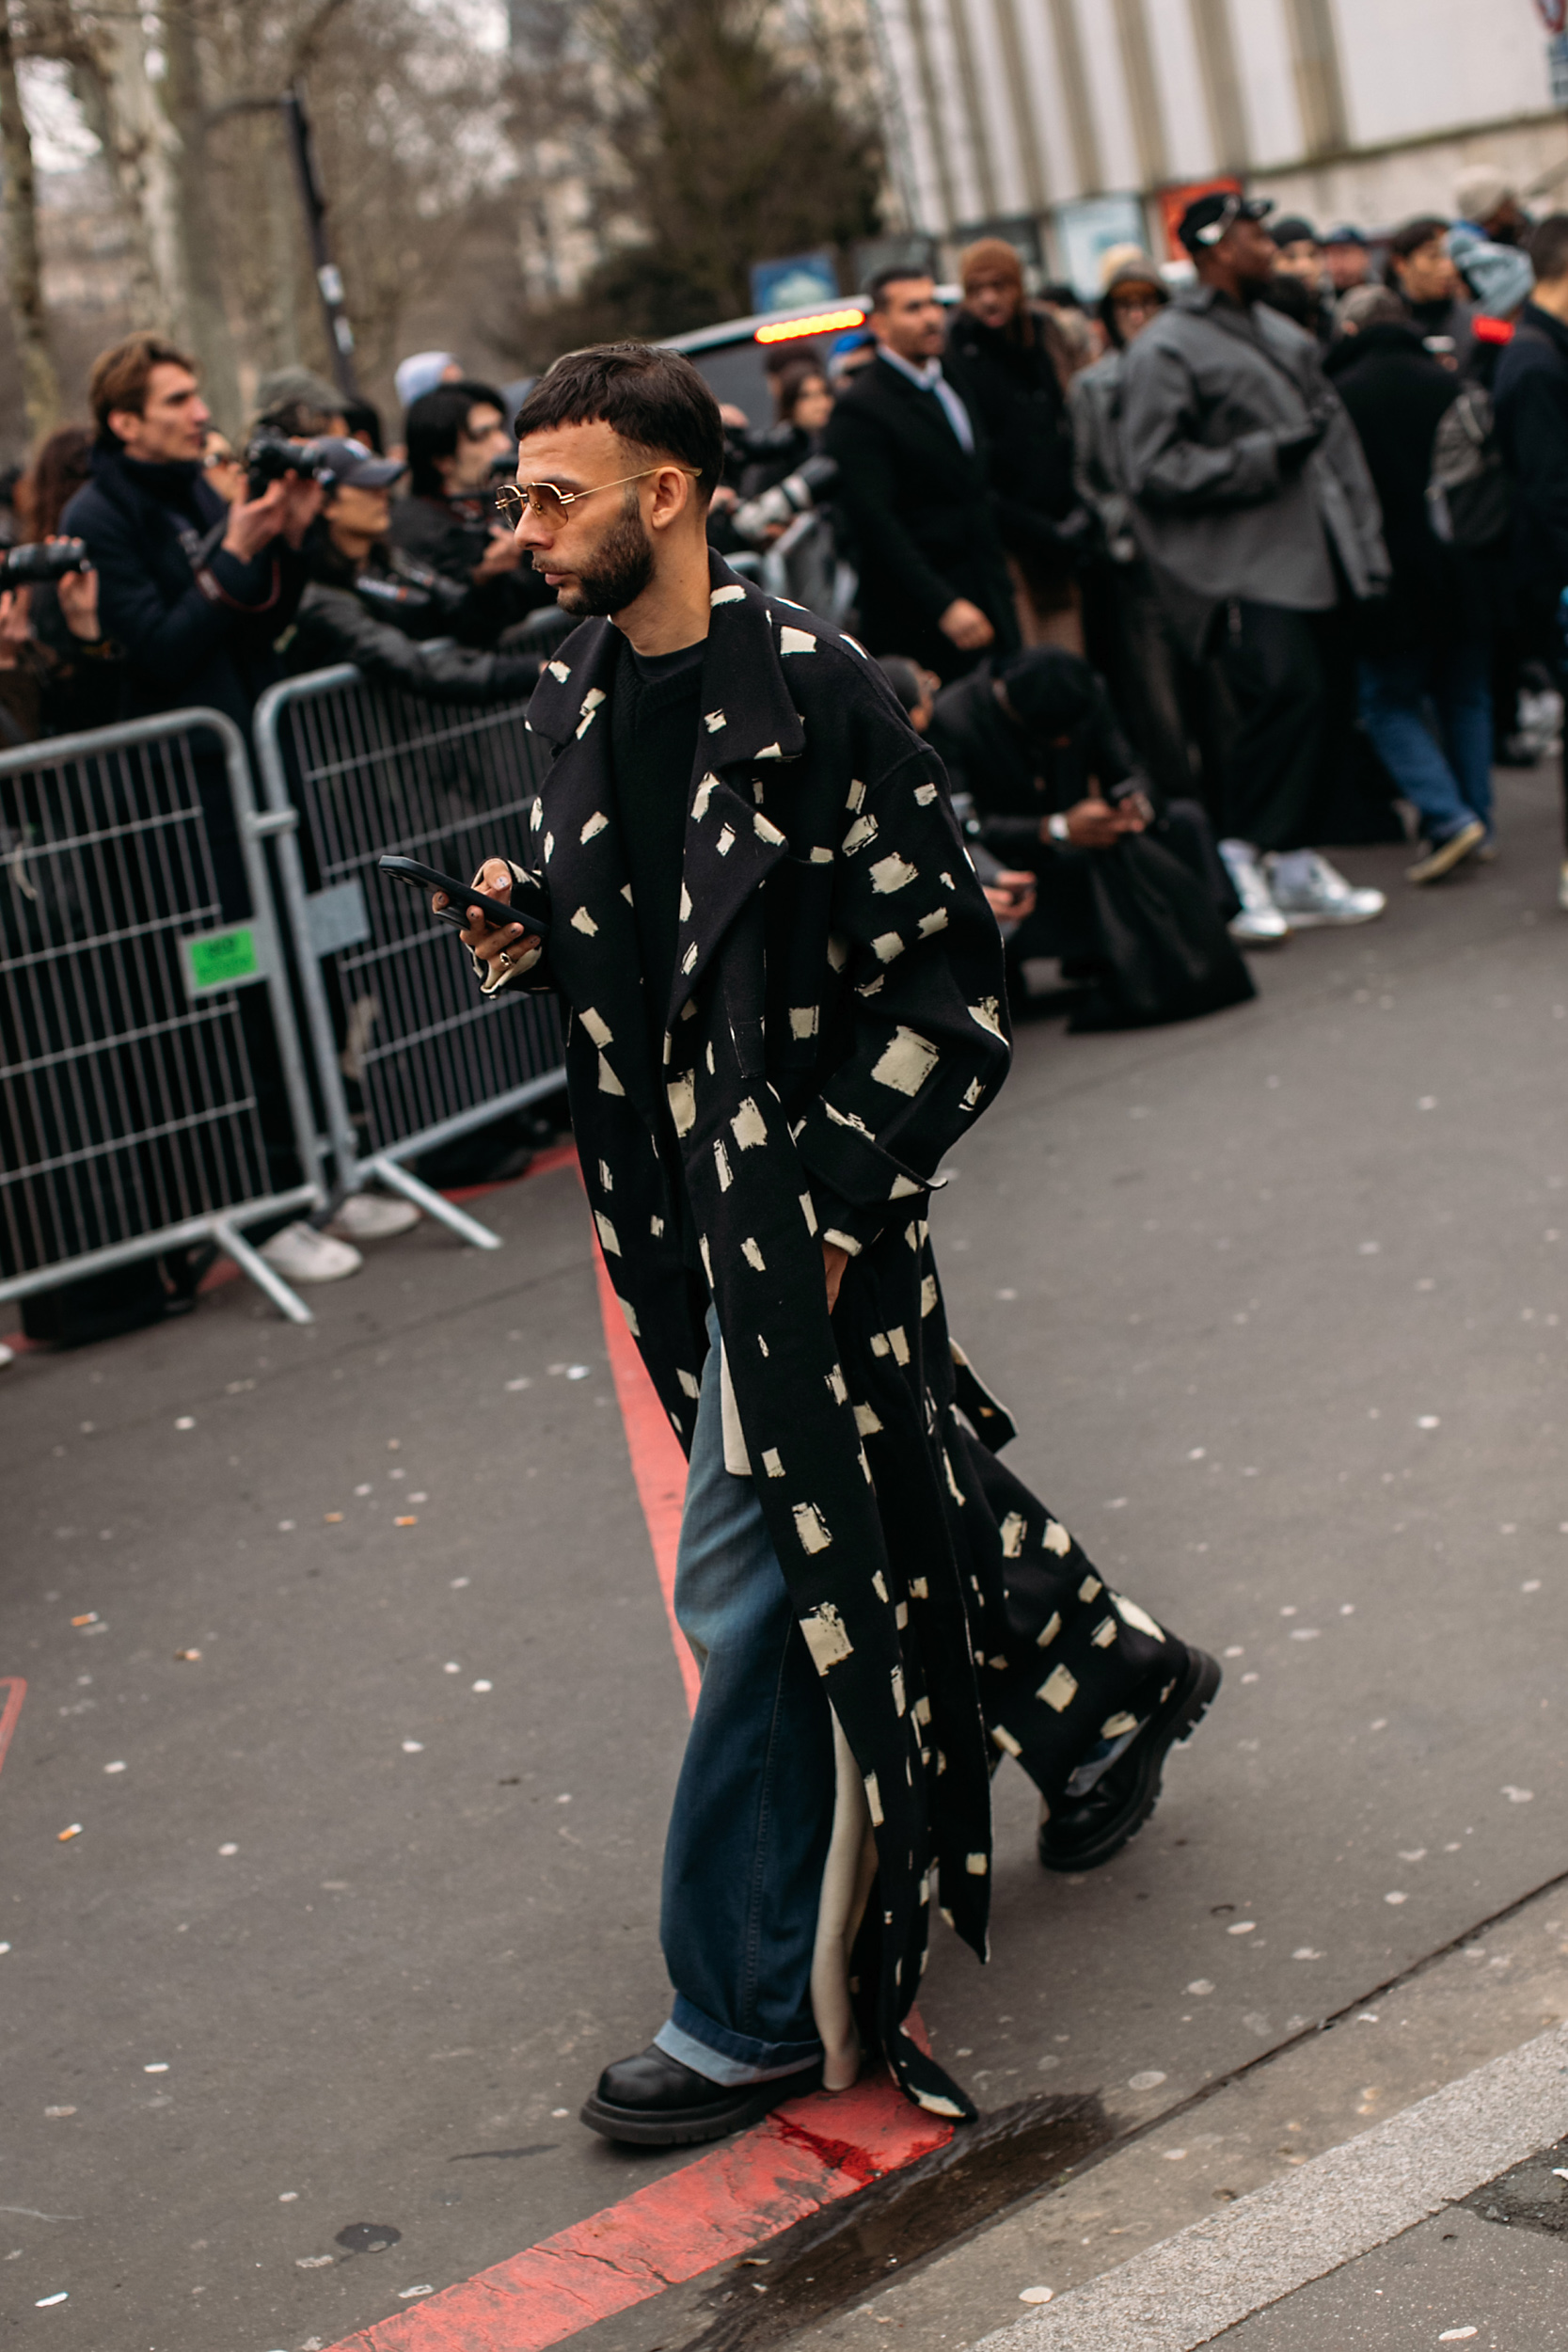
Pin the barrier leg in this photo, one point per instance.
(266, 1278)
(456, 1220)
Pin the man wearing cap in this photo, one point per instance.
(1254, 508)
(915, 486)
(300, 403)
(1345, 258)
(1300, 260)
(370, 604)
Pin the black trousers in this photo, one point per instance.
(1270, 659)
(1064, 922)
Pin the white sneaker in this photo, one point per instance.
(1562, 888)
(372, 1217)
(301, 1254)
(8, 1355)
(1259, 923)
(1310, 893)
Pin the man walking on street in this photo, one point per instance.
(915, 486)
(1254, 507)
(785, 990)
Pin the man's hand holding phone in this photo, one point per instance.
(499, 947)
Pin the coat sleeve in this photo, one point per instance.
(1164, 463)
(335, 627)
(171, 641)
(1534, 416)
(867, 490)
(921, 996)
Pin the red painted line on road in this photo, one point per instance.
(807, 2155)
(16, 1691)
(657, 1464)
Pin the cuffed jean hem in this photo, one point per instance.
(729, 2058)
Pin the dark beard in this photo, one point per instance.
(623, 567)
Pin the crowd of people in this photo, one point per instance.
(1263, 552)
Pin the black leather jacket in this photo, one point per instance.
(381, 615)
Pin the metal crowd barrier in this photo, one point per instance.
(152, 1089)
(408, 1055)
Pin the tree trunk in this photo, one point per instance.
(40, 384)
(205, 322)
(141, 154)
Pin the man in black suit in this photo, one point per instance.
(912, 485)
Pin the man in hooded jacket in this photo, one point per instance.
(785, 993)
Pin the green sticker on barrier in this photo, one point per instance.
(222, 958)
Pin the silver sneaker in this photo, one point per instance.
(1259, 923)
(1324, 898)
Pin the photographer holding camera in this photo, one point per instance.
(194, 591)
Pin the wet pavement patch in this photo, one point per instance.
(1534, 2196)
(818, 2265)
(368, 2237)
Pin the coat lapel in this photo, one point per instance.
(594, 947)
(748, 725)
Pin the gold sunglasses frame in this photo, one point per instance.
(521, 493)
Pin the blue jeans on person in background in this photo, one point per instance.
(1449, 778)
(753, 1810)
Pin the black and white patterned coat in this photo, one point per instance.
(836, 1024)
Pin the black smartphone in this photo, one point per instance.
(462, 896)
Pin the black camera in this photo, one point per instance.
(19, 565)
(271, 455)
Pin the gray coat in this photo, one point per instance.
(1094, 403)
(1207, 390)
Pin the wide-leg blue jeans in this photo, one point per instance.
(754, 1808)
(1449, 775)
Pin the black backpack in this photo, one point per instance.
(1469, 497)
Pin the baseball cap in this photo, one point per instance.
(351, 461)
(421, 373)
(1207, 218)
(1346, 233)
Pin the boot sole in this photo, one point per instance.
(1186, 1710)
(1447, 855)
(687, 2127)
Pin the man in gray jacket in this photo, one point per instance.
(1256, 513)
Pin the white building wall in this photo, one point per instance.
(1414, 66)
(1113, 115)
(1429, 85)
(1181, 81)
(1268, 79)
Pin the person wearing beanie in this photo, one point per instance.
(301, 404)
(1256, 513)
(1006, 360)
(1299, 268)
(423, 371)
(1497, 279)
(1487, 202)
(1125, 628)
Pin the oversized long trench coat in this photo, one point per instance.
(836, 1024)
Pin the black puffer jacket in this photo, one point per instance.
(1013, 388)
(375, 617)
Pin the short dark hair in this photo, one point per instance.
(1423, 229)
(896, 274)
(433, 423)
(905, 678)
(1548, 246)
(655, 400)
(121, 376)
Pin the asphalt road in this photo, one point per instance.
(1276, 1300)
